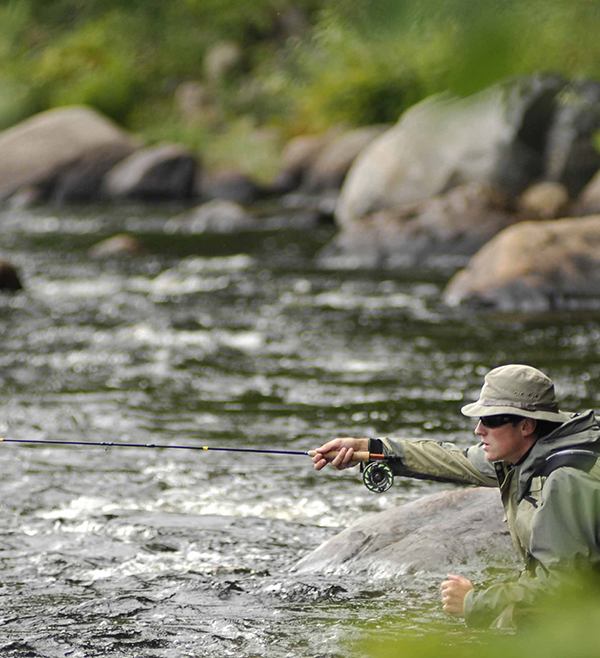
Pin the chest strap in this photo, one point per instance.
(584, 460)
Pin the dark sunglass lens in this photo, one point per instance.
(494, 421)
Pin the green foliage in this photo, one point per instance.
(94, 66)
(567, 625)
(17, 102)
(341, 61)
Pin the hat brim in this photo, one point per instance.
(477, 410)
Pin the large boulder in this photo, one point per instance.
(165, 171)
(34, 152)
(458, 530)
(534, 266)
(442, 231)
(497, 136)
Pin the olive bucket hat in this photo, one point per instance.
(519, 390)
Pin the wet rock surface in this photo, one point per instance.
(459, 529)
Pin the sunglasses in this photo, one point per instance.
(492, 422)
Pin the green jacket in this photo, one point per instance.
(554, 521)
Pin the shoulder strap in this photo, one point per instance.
(584, 460)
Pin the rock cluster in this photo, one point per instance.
(479, 178)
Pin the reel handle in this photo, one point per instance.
(360, 456)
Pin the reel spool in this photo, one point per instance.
(378, 477)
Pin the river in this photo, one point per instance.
(233, 340)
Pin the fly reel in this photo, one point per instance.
(378, 477)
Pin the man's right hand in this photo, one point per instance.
(345, 448)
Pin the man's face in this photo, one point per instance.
(508, 442)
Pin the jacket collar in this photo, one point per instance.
(581, 431)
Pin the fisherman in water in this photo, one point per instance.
(545, 463)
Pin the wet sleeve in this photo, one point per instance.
(442, 462)
(564, 535)
(483, 608)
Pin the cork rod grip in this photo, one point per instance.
(360, 456)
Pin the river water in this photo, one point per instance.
(236, 340)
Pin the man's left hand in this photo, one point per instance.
(454, 591)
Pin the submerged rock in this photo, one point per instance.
(460, 530)
(216, 216)
(36, 151)
(534, 266)
(9, 278)
(117, 247)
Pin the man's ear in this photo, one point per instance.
(528, 427)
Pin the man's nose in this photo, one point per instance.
(479, 429)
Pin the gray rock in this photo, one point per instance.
(28, 196)
(332, 163)
(571, 155)
(166, 171)
(458, 530)
(229, 185)
(496, 136)
(443, 230)
(298, 156)
(534, 266)
(83, 180)
(217, 216)
(34, 152)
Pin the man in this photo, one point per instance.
(545, 463)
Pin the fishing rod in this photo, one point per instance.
(377, 475)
